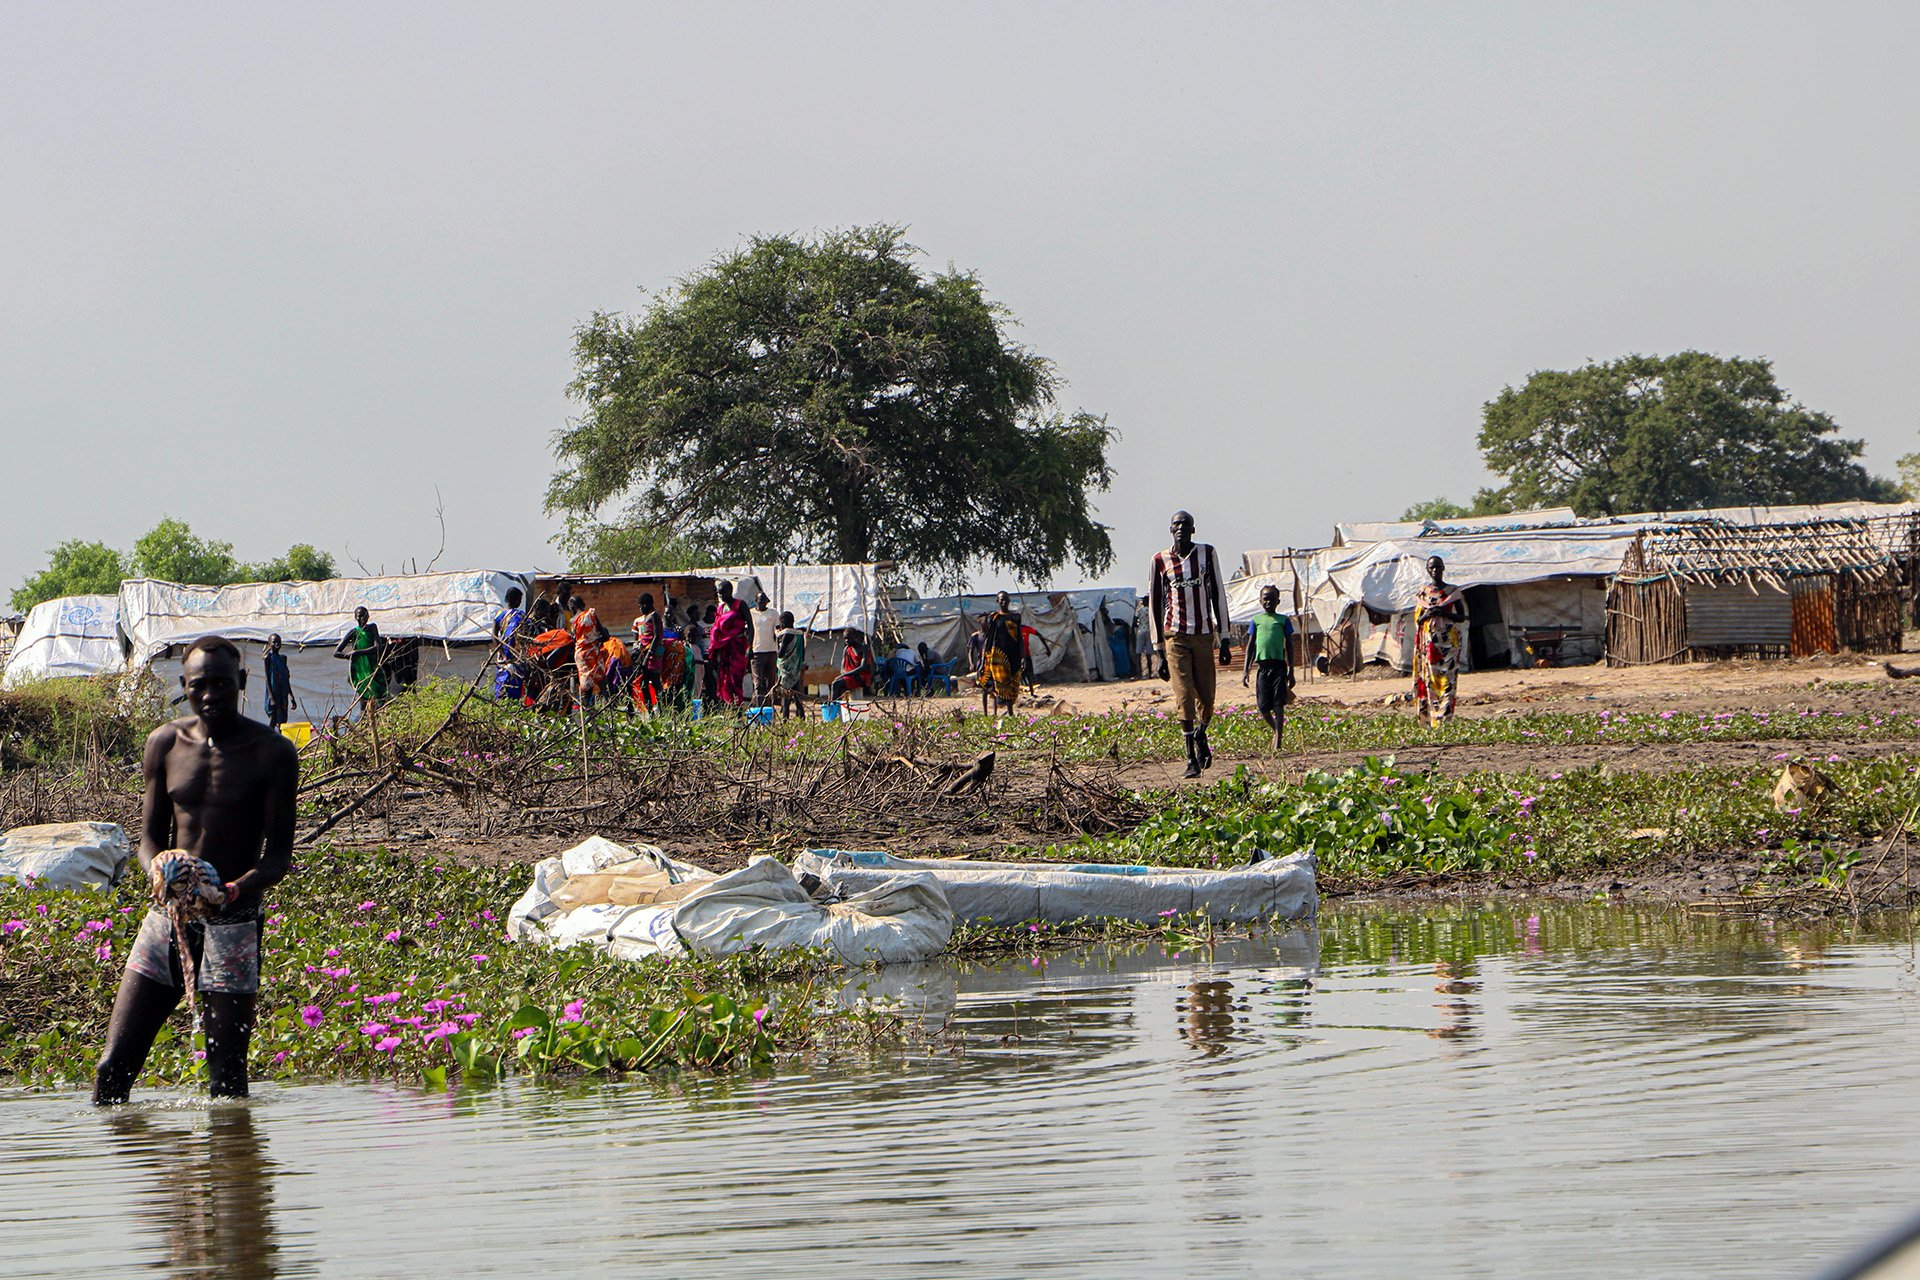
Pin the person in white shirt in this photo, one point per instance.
(766, 651)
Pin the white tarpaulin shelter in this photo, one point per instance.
(1105, 618)
(1243, 599)
(1549, 578)
(1006, 893)
(65, 855)
(635, 903)
(945, 624)
(451, 615)
(71, 636)
(1386, 576)
(821, 597)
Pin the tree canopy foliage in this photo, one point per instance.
(1908, 465)
(170, 551)
(625, 548)
(74, 568)
(827, 399)
(1666, 433)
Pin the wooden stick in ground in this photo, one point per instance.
(580, 705)
(974, 778)
(342, 814)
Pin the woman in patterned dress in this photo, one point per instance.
(1439, 640)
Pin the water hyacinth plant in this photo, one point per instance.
(377, 966)
(1367, 820)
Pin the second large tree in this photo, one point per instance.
(825, 398)
(1666, 433)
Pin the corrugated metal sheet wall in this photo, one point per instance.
(1813, 627)
(1739, 616)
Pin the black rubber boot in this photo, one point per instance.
(1193, 757)
(1202, 752)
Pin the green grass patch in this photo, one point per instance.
(1372, 823)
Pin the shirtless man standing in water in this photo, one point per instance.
(219, 787)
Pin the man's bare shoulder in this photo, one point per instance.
(280, 749)
(272, 745)
(164, 737)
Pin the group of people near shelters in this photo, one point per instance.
(560, 653)
(374, 665)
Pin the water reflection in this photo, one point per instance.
(1453, 980)
(1448, 1090)
(208, 1193)
(1207, 1012)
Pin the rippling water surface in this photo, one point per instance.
(1487, 1091)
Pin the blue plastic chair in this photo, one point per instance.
(941, 673)
(898, 677)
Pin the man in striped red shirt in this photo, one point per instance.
(1188, 598)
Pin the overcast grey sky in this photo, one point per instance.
(281, 270)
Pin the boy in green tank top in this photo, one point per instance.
(1268, 649)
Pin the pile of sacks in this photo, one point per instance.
(65, 855)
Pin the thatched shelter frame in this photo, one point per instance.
(1816, 586)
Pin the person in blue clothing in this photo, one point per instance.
(510, 681)
(279, 685)
(1269, 638)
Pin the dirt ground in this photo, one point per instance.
(1830, 683)
(1844, 682)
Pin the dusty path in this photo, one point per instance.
(1845, 682)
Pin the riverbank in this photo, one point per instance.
(1659, 781)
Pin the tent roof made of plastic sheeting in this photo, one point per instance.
(1386, 576)
(71, 636)
(1348, 533)
(1120, 602)
(1243, 598)
(452, 608)
(821, 597)
(946, 623)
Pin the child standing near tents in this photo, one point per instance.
(792, 644)
(1269, 646)
(366, 654)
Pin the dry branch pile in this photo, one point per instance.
(707, 792)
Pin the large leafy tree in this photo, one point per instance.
(302, 563)
(1667, 433)
(827, 399)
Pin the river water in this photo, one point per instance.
(1499, 1090)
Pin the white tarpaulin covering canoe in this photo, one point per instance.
(71, 636)
(65, 855)
(1012, 893)
(639, 902)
